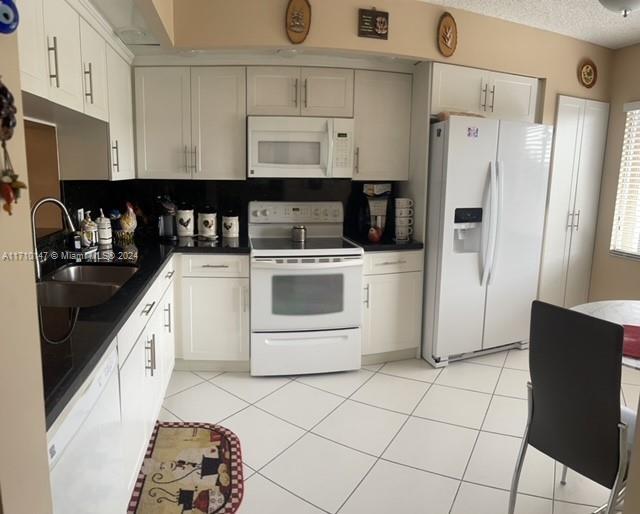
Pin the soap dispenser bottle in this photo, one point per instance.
(89, 231)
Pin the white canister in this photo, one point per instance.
(105, 235)
(230, 226)
(184, 222)
(207, 224)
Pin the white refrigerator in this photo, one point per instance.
(487, 196)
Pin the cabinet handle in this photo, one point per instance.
(150, 365)
(195, 158)
(295, 92)
(390, 263)
(168, 311)
(368, 295)
(148, 308)
(578, 221)
(306, 93)
(493, 97)
(357, 163)
(215, 266)
(116, 160)
(169, 274)
(186, 161)
(88, 73)
(570, 216)
(483, 91)
(54, 49)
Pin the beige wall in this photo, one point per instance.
(165, 11)
(616, 277)
(483, 42)
(24, 471)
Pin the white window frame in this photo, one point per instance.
(625, 232)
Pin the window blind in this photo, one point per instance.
(625, 236)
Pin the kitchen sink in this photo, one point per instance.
(93, 274)
(73, 294)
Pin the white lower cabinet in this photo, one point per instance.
(392, 302)
(215, 318)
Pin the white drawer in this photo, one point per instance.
(377, 263)
(130, 331)
(215, 265)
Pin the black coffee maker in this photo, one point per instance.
(370, 206)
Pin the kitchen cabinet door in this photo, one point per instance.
(168, 336)
(163, 122)
(382, 115)
(392, 312)
(94, 69)
(218, 111)
(273, 90)
(458, 89)
(326, 92)
(215, 319)
(34, 73)
(62, 30)
(134, 410)
(512, 97)
(587, 195)
(120, 117)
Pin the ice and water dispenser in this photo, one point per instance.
(467, 230)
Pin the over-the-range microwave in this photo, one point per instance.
(299, 147)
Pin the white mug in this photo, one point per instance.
(404, 203)
(230, 226)
(404, 213)
(403, 233)
(184, 223)
(404, 222)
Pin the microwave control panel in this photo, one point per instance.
(342, 147)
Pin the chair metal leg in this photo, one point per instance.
(617, 491)
(523, 451)
(563, 480)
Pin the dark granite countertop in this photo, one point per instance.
(388, 246)
(67, 365)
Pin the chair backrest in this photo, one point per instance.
(575, 363)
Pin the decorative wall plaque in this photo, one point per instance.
(298, 20)
(587, 73)
(447, 35)
(373, 23)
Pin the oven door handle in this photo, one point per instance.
(312, 266)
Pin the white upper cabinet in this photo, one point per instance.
(62, 31)
(293, 91)
(458, 89)
(218, 122)
(326, 92)
(382, 116)
(120, 117)
(163, 122)
(512, 97)
(492, 94)
(94, 70)
(273, 90)
(34, 72)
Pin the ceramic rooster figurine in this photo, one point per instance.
(128, 221)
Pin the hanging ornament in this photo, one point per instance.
(9, 17)
(10, 186)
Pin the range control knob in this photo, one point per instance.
(256, 214)
(265, 212)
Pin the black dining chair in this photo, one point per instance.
(574, 399)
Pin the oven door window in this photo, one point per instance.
(307, 295)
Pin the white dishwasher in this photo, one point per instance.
(85, 459)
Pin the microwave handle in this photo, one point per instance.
(330, 152)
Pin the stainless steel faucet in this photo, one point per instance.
(34, 209)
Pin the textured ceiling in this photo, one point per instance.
(583, 19)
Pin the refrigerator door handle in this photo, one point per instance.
(498, 219)
(487, 260)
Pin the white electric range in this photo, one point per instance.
(306, 298)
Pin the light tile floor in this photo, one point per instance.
(400, 438)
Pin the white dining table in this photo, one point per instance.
(623, 312)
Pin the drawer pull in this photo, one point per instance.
(148, 308)
(151, 364)
(168, 312)
(391, 263)
(169, 275)
(216, 266)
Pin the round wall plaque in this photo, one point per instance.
(447, 35)
(298, 20)
(587, 73)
